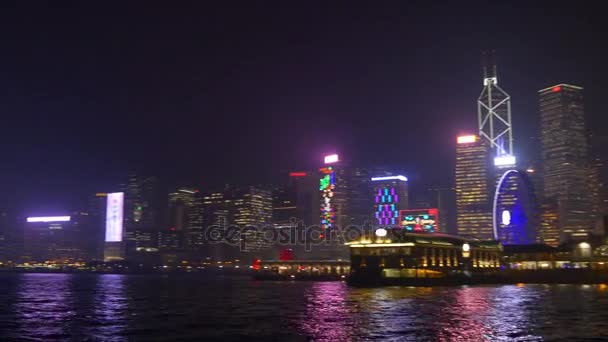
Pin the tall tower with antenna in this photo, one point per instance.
(494, 114)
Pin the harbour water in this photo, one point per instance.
(110, 307)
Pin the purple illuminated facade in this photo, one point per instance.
(390, 196)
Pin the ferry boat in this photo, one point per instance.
(397, 257)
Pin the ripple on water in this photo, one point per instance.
(128, 307)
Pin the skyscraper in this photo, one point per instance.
(565, 157)
(216, 216)
(251, 208)
(473, 194)
(195, 229)
(336, 207)
(179, 202)
(549, 223)
(54, 238)
(186, 216)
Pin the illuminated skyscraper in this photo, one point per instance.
(345, 194)
(179, 201)
(390, 195)
(216, 216)
(335, 189)
(186, 216)
(94, 235)
(251, 208)
(549, 223)
(473, 188)
(297, 199)
(54, 238)
(565, 157)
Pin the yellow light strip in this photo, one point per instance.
(404, 244)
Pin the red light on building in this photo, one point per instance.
(286, 255)
(297, 174)
(256, 264)
(556, 89)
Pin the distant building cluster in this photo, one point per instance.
(554, 199)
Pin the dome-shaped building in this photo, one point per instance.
(514, 209)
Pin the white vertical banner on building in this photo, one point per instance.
(114, 217)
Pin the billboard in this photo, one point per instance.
(332, 158)
(327, 185)
(420, 220)
(114, 216)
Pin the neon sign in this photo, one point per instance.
(399, 177)
(420, 220)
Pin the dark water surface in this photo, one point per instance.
(92, 307)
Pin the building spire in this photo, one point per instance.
(494, 113)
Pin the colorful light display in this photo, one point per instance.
(420, 220)
(327, 186)
(49, 219)
(114, 217)
(386, 200)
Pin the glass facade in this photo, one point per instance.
(565, 157)
(473, 195)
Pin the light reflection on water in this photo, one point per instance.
(43, 305)
(110, 306)
(123, 307)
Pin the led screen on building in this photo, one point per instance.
(420, 220)
(327, 185)
(114, 217)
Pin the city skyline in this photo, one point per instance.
(97, 136)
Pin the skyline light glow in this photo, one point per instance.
(48, 219)
(398, 177)
(506, 160)
(466, 139)
(332, 158)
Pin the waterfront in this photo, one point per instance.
(193, 307)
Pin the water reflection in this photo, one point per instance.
(44, 306)
(119, 307)
(110, 307)
(411, 314)
(326, 317)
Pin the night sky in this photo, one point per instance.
(209, 94)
